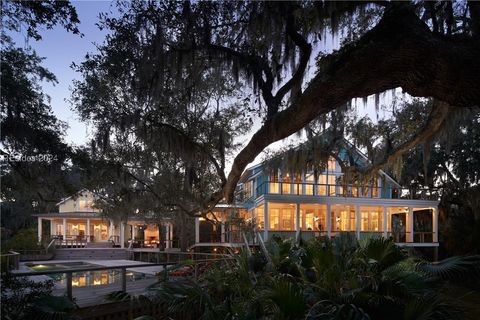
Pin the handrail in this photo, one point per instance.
(49, 245)
(263, 247)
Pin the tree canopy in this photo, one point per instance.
(171, 77)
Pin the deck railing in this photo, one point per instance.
(344, 190)
(398, 237)
(9, 261)
(123, 268)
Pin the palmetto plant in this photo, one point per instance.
(323, 279)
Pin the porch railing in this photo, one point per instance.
(398, 237)
(344, 190)
(9, 261)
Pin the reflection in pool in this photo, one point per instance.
(87, 278)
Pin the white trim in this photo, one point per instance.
(340, 200)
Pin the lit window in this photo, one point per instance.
(85, 205)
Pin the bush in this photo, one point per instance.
(26, 239)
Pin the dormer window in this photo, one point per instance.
(85, 205)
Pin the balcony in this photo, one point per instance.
(344, 190)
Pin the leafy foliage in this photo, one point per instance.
(320, 279)
(28, 299)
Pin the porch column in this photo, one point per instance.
(222, 227)
(167, 233)
(171, 235)
(385, 222)
(39, 229)
(88, 230)
(265, 223)
(329, 221)
(435, 224)
(64, 228)
(111, 226)
(410, 225)
(197, 230)
(297, 222)
(122, 234)
(52, 227)
(134, 231)
(358, 220)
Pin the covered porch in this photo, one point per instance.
(408, 222)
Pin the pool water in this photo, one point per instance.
(87, 278)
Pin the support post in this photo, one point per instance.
(435, 224)
(410, 225)
(69, 286)
(39, 229)
(265, 223)
(122, 234)
(111, 227)
(385, 222)
(297, 222)
(197, 230)
(88, 230)
(167, 236)
(65, 229)
(222, 227)
(329, 221)
(124, 279)
(358, 221)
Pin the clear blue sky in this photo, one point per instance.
(60, 48)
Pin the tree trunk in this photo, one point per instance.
(400, 51)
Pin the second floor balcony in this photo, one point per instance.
(341, 190)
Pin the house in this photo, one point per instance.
(79, 223)
(313, 204)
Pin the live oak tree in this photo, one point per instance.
(28, 126)
(159, 56)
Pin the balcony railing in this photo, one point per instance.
(398, 237)
(343, 190)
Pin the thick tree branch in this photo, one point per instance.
(399, 52)
(305, 52)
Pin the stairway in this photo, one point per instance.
(99, 245)
(91, 254)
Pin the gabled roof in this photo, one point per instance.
(248, 174)
(73, 195)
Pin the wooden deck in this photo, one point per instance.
(95, 295)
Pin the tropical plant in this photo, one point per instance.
(27, 299)
(323, 279)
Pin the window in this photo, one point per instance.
(309, 182)
(274, 186)
(343, 218)
(248, 189)
(259, 217)
(322, 187)
(274, 219)
(372, 218)
(281, 216)
(286, 183)
(85, 205)
(332, 165)
(313, 217)
(331, 185)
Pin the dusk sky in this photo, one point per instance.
(60, 48)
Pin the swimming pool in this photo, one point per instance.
(87, 278)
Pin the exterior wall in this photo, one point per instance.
(74, 204)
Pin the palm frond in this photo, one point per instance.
(454, 268)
